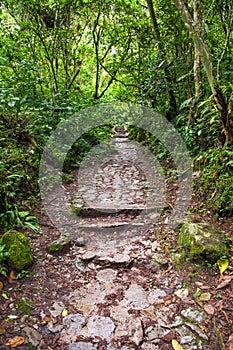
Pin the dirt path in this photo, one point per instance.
(121, 290)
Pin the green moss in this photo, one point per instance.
(55, 247)
(196, 249)
(25, 306)
(201, 241)
(76, 208)
(58, 246)
(18, 248)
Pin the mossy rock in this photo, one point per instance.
(19, 250)
(202, 242)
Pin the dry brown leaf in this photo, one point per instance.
(16, 341)
(203, 328)
(134, 255)
(199, 284)
(227, 277)
(150, 313)
(204, 297)
(2, 331)
(229, 345)
(1, 285)
(209, 309)
(11, 277)
(45, 320)
(205, 287)
(169, 336)
(167, 302)
(224, 283)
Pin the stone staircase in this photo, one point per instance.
(117, 185)
(125, 292)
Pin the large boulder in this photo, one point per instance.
(18, 248)
(202, 241)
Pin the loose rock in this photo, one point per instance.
(136, 297)
(130, 327)
(100, 326)
(34, 337)
(81, 346)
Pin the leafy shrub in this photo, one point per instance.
(18, 180)
(199, 125)
(215, 184)
(84, 144)
(3, 256)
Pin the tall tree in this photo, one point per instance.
(223, 105)
(197, 58)
(169, 86)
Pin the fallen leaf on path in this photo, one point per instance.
(223, 265)
(224, 283)
(11, 277)
(5, 296)
(2, 331)
(134, 255)
(229, 345)
(205, 287)
(202, 327)
(12, 317)
(150, 313)
(64, 313)
(176, 345)
(45, 320)
(204, 297)
(182, 293)
(169, 336)
(16, 341)
(209, 309)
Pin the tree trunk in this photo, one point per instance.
(197, 58)
(96, 37)
(170, 92)
(201, 46)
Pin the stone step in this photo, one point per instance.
(100, 224)
(99, 218)
(101, 210)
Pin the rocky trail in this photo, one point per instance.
(115, 285)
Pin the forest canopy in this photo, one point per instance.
(58, 57)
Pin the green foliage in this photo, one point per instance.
(18, 185)
(202, 129)
(60, 56)
(3, 256)
(84, 144)
(24, 274)
(215, 184)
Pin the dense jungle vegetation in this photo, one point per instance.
(60, 56)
